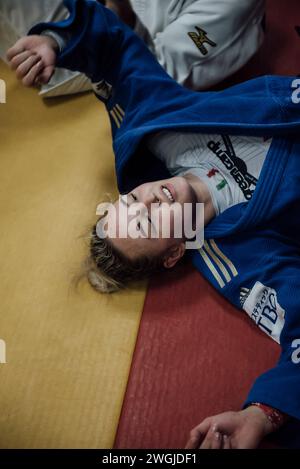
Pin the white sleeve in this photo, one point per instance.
(206, 41)
(61, 41)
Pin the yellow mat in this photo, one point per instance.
(68, 352)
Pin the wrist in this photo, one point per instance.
(272, 418)
(259, 418)
(52, 40)
(275, 416)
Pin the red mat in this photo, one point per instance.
(195, 354)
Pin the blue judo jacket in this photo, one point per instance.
(251, 253)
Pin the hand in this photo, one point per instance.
(241, 430)
(33, 58)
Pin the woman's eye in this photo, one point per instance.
(133, 196)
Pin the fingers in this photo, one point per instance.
(15, 50)
(216, 440)
(210, 437)
(30, 78)
(18, 59)
(45, 76)
(26, 66)
(222, 431)
(226, 442)
(30, 69)
(213, 439)
(194, 440)
(198, 434)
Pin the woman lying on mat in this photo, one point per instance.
(236, 151)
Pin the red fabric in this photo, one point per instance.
(195, 354)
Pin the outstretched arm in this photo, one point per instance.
(99, 44)
(104, 48)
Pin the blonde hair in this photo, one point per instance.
(109, 270)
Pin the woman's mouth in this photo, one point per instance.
(169, 192)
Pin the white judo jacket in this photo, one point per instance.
(200, 42)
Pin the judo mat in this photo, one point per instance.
(196, 355)
(67, 350)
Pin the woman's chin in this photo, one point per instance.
(182, 188)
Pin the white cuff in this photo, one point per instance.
(59, 39)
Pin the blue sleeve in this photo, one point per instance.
(104, 48)
(99, 44)
(280, 386)
(263, 266)
(93, 32)
(279, 309)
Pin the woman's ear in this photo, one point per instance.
(174, 254)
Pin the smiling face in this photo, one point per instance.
(163, 202)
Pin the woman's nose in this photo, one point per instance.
(148, 199)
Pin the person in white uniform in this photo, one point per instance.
(198, 42)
